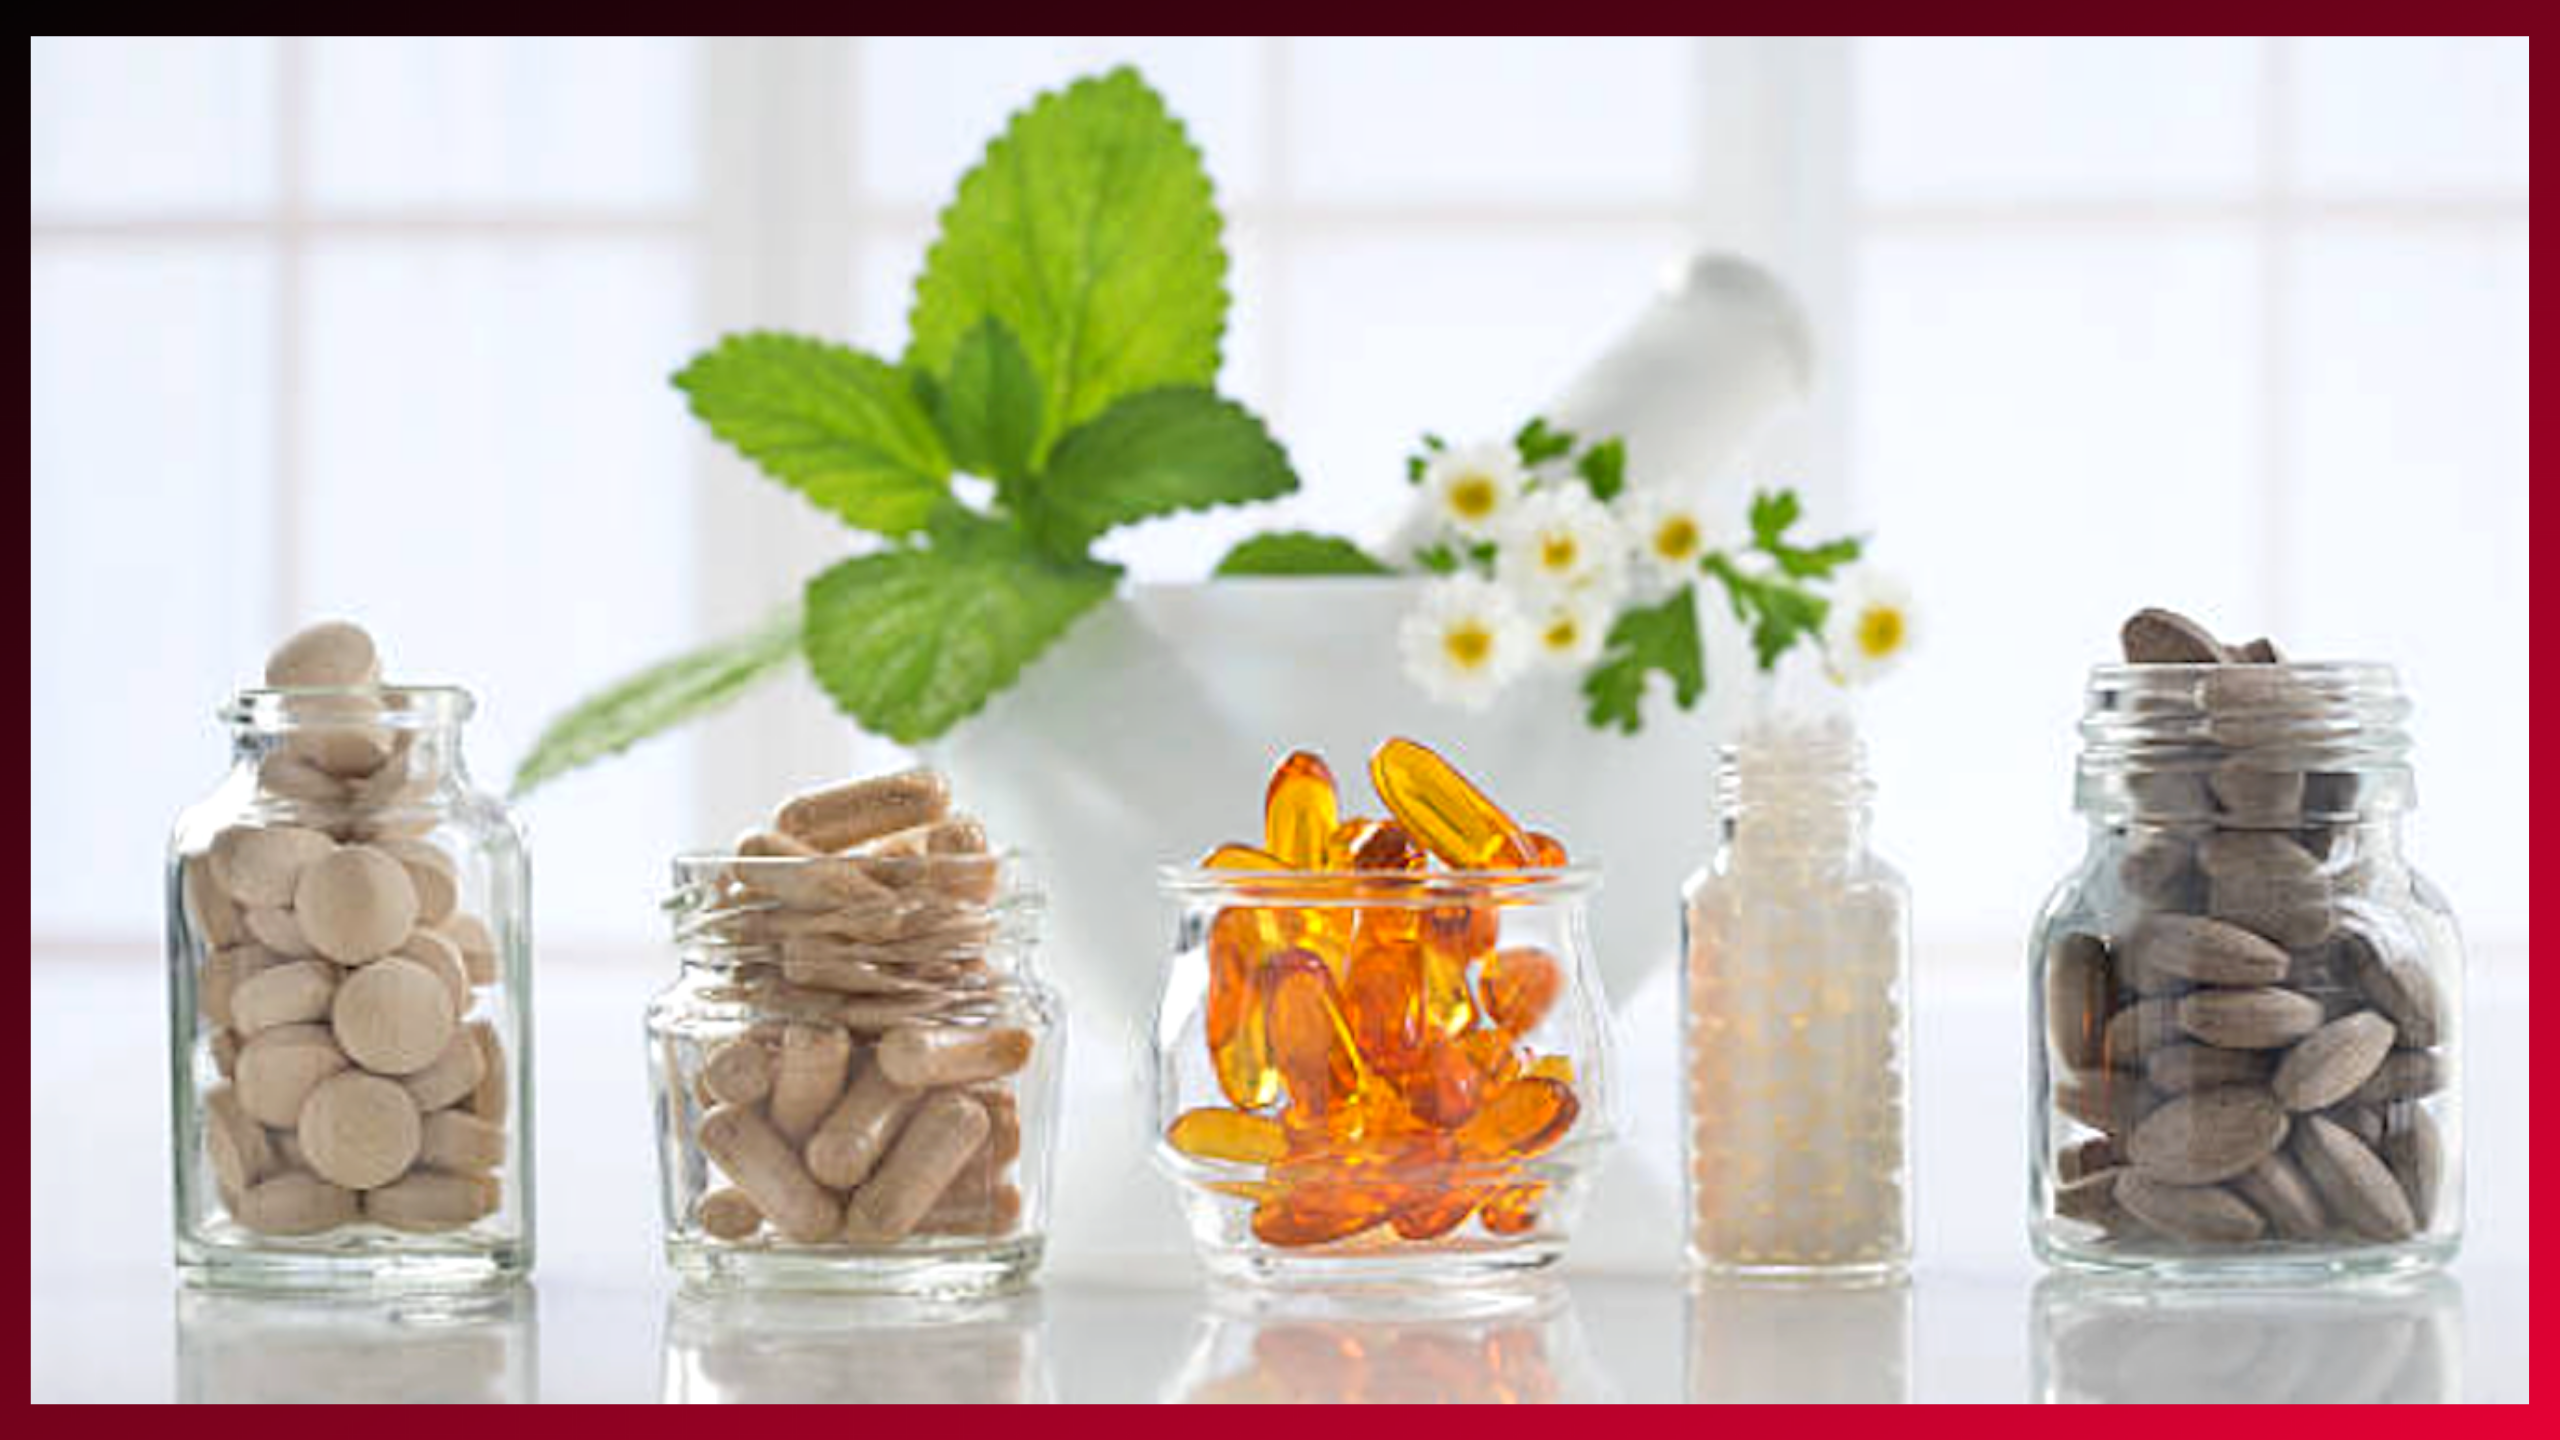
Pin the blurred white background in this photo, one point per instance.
(381, 327)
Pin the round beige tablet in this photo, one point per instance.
(470, 935)
(394, 1017)
(359, 1130)
(355, 903)
(260, 864)
(333, 652)
(431, 874)
(438, 954)
(460, 1143)
(296, 992)
(277, 1070)
(453, 1076)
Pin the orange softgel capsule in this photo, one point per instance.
(1513, 1210)
(1241, 857)
(1521, 1119)
(1444, 810)
(1454, 937)
(1382, 990)
(1237, 1019)
(1233, 1135)
(1520, 986)
(1300, 811)
(1311, 1042)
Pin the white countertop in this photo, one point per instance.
(1123, 1320)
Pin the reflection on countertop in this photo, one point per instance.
(2102, 1339)
(1802, 1343)
(1515, 1346)
(236, 1348)
(749, 1347)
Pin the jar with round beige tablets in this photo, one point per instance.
(348, 988)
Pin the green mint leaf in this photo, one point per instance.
(989, 405)
(1299, 552)
(1151, 454)
(1648, 638)
(1438, 558)
(842, 428)
(1539, 442)
(661, 697)
(1604, 468)
(913, 640)
(1090, 231)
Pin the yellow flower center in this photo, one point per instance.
(1676, 539)
(1469, 646)
(1562, 634)
(1474, 496)
(1558, 552)
(1880, 631)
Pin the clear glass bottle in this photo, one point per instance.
(2245, 998)
(349, 1003)
(855, 1075)
(1796, 1030)
(1380, 1076)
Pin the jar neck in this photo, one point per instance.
(2322, 744)
(907, 923)
(378, 745)
(1794, 788)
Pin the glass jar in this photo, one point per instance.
(349, 1003)
(855, 1075)
(1797, 1033)
(2245, 999)
(1381, 1075)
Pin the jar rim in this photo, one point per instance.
(1376, 889)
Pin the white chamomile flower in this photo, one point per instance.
(1465, 641)
(1870, 626)
(1559, 539)
(1669, 530)
(1471, 489)
(1570, 628)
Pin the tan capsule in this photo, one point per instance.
(277, 930)
(431, 875)
(262, 865)
(355, 903)
(774, 845)
(808, 1076)
(489, 1097)
(451, 1077)
(331, 653)
(848, 1143)
(928, 1055)
(728, 1213)
(760, 1160)
(432, 1200)
(1004, 1119)
(842, 816)
(393, 1017)
(235, 1144)
(936, 1144)
(451, 1140)
(296, 1202)
(968, 1208)
(277, 1070)
(738, 1072)
(209, 908)
(359, 1130)
(225, 1046)
(470, 935)
(811, 882)
(432, 950)
(296, 992)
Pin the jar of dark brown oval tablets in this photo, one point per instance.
(2246, 998)
(855, 1074)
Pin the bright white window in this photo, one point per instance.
(383, 326)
